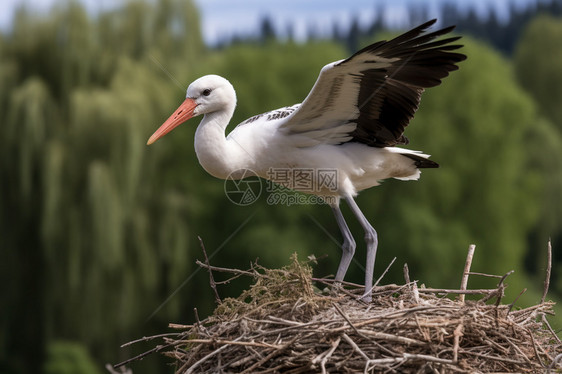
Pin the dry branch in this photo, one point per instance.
(548, 270)
(211, 278)
(465, 274)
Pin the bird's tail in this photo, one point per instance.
(421, 160)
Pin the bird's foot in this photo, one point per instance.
(367, 297)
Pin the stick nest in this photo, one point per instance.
(282, 323)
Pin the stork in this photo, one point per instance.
(350, 122)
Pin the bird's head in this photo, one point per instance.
(207, 94)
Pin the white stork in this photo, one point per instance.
(350, 123)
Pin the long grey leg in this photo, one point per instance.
(372, 242)
(348, 246)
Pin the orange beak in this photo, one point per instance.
(182, 114)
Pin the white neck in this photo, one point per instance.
(218, 155)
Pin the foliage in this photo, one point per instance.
(82, 212)
(504, 35)
(69, 358)
(537, 62)
(537, 65)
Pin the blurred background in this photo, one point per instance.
(98, 232)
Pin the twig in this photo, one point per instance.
(324, 356)
(227, 281)
(548, 270)
(213, 353)
(394, 314)
(286, 321)
(384, 273)
(410, 356)
(514, 301)
(481, 291)
(276, 352)
(198, 321)
(414, 284)
(535, 347)
(243, 360)
(466, 272)
(500, 284)
(456, 341)
(348, 321)
(392, 338)
(554, 362)
(179, 326)
(516, 348)
(158, 348)
(226, 270)
(501, 288)
(229, 342)
(406, 273)
(484, 274)
(498, 291)
(211, 279)
(491, 357)
(148, 338)
(497, 346)
(424, 333)
(545, 321)
(355, 347)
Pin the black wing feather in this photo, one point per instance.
(389, 97)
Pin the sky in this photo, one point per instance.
(223, 18)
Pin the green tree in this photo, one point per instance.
(538, 60)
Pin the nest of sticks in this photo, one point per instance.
(283, 323)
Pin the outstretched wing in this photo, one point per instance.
(372, 96)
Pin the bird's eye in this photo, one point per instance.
(207, 92)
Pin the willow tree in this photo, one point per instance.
(91, 242)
